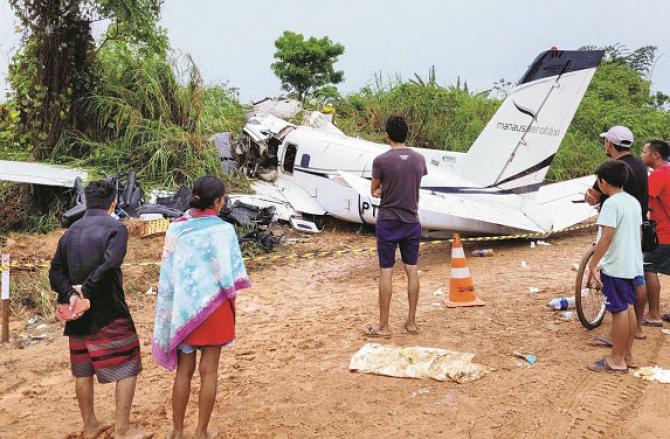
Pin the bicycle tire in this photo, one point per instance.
(588, 320)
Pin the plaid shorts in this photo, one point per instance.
(112, 354)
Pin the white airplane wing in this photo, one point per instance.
(40, 173)
(565, 201)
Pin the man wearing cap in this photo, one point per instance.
(618, 142)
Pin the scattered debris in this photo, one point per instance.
(225, 147)
(524, 264)
(665, 331)
(243, 214)
(150, 292)
(543, 243)
(561, 303)
(530, 359)
(417, 362)
(653, 374)
(438, 292)
(575, 267)
(479, 253)
(302, 225)
(568, 316)
(284, 108)
(420, 391)
(34, 322)
(436, 304)
(532, 244)
(130, 198)
(534, 290)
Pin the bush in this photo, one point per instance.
(451, 118)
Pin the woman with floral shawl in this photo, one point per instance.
(202, 271)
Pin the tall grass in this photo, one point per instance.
(153, 116)
(451, 118)
(32, 292)
(438, 117)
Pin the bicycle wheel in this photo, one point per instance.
(589, 300)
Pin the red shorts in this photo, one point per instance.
(112, 354)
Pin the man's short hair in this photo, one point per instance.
(615, 172)
(661, 147)
(396, 128)
(100, 194)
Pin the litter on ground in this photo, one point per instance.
(656, 374)
(568, 316)
(417, 362)
(530, 359)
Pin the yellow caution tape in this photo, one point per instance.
(323, 254)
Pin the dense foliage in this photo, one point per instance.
(122, 104)
(125, 104)
(452, 117)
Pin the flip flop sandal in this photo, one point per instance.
(652, 323)
(600, 341)
(603, 366)
(413, 332)
(370, 331)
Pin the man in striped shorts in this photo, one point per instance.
(103, 340)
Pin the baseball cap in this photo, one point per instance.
(620, 136)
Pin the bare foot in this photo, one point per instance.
(210, 434)
(376, 331)
(132, 433)
(97, 429)
(613, 364)
(175, 435)
(631, 363)
(411, 328)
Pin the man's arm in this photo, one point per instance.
(59, 277)
(593, 196)
(601, 248)
(375, 187)
(115, 251)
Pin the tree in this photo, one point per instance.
(304, 66)
(55, 71)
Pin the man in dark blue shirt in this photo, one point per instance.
(103, 340)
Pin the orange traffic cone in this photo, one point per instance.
(461, 290)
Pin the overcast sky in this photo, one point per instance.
(478, 40)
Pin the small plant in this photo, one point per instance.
(31, 291)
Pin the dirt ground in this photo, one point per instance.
(287, 374)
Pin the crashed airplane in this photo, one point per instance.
(494, 188)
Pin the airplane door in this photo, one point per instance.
(288, 162)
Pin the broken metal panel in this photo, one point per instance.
(261, 126)
(283, 108)
(223, 142)
(40, 173)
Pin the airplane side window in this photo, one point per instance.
(289, 158)
(304, 161)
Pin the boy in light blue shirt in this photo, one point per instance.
(617, 261)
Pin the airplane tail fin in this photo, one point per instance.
(517, 146)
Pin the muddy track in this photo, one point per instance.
(287, 374)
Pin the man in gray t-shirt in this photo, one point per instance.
(396, 178)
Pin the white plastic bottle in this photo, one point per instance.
(561, 303)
